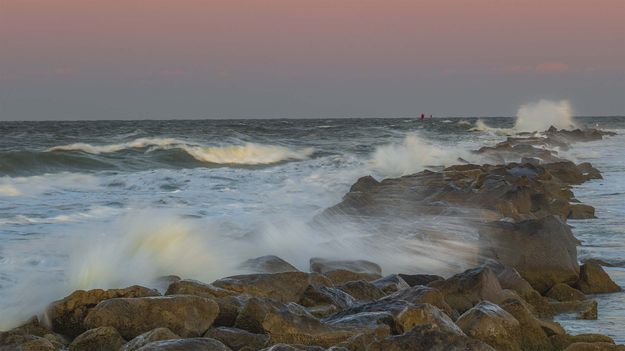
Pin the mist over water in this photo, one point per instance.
(120, 203)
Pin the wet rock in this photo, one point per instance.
(197, 288)
(103, 338)
(594, 280)
(287, 347)
(317, 296)
(543, 251)
(429, 338)
(229, 308)
(34, 344)
(420, 279)
(284, 287)
(581, 211)
(66, 316)
(390, 283)
(551, 327)
(267, 264)
(341, 271)
(151, 336)
(423, 294)
(561, 342)
(185, 315)
(491, 324)
(192, 344)
(595, 346)
(238, 339)
(362, 290)
(466, 289)
(563, 292)
(586, 309)
(292, 324)
(533, 337)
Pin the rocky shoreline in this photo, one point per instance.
(525, 271)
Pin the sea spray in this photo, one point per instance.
(539, 116)
(36, 185)
(414, 154)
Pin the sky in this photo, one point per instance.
(161, 59)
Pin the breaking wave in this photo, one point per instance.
(244, 154)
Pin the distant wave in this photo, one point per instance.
(244, 154)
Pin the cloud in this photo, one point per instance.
(541, 68)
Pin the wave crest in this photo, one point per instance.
(244, 154)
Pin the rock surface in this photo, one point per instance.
(594, 280)
(185, 315)
(102, 338)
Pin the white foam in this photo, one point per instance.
(412, 155)
(244, 154)
(539, 116)
(36, 185)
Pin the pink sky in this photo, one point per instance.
(300, 58)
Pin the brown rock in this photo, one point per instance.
(581, 211)
(595, 346)
(194, 287)
(533, 337)
(284, 287)
(429, 338)
(341, 271)
(103, 338)
(192, 344)
(563, 292)
(185, 315)
(491, 324)
(423, 294)
(66, 315)
(561, 342)
(390, 283)
(267, 264)
(419, 279)
(466, 289)
(594, 280)
(238, 339)
(361, 290)
(146, 338)
(543, 251)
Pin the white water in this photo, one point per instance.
(539, 116)
(36, 185)
(245, 154)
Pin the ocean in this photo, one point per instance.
(106, 204)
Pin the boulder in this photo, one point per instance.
(287, 347)
(66, 316)
(561, 342)
(532, 336)
(466, 289)
(361, 290)
(102, 338)
(151, 336)
(321, 295)
(284, 287)
(192, 344)
(390, 283)
(491, 324)
(429, 338)
(238, 339)
(594, 280)
(595, 346)
(581, 211)
(292, 324)
(34, 344)
(185, 315)
(586, 309)
(419, 279)
(229, 308)
(197, 288)
(341, 271)
(267, 264)
(543, 251)
(423, 294)
(563, 292)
